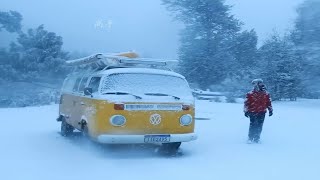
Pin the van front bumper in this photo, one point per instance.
(138, 139)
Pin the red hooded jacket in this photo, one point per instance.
(257, 101)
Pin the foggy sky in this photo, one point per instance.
(141, 25)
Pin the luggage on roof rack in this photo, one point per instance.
(130, 59)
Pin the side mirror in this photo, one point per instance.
(88, 91)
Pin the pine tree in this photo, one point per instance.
(245, 49)
(244, 66)
(38, 54)
(206, 41)
(8, 73)
(10, 21)
(306, 37)
(280, 67)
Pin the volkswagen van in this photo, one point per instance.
(127, 100)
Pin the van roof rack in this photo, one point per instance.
(130, 59)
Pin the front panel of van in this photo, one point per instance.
(99, 112)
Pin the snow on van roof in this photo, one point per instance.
(139, 70)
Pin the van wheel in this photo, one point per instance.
(85, 131)
(170, 147)
(66, 129)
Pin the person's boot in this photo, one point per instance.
(250, 141)
(257, 141)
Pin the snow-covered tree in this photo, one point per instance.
(38, 54)
(33, 68)
(10, 21)
(245, 50)
(280, 67)
(306, 36)
(205, 52)
(8, 73)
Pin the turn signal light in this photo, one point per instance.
(118, 106)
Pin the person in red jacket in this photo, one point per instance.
(255, 107)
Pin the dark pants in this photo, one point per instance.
(256, 123)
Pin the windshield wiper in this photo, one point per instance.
(162, 94)
(123, 93)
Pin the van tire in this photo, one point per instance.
(170, 147)
(85, 131)
(66, 129)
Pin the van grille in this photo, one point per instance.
(152, 107)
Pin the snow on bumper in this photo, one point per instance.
(132, 139)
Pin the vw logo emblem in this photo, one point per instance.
(155, 119)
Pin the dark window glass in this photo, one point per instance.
(83, 84)
(76, 85)
(94, 84)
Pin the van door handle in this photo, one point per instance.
(82, 103)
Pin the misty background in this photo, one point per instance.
(221, 45)
(142, 25)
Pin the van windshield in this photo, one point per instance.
(146, 84)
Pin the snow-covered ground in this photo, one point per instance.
(32, 148)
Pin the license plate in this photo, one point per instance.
(156, 138)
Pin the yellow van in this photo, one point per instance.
(123, 99)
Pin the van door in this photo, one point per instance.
(81, 101)
(84, 101)
(66, 99)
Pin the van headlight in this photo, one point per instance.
(117, 120)
(186, 120)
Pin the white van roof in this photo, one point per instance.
(128, 62)
(106, 60)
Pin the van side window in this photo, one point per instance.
(83, 84)
(76, 85)
(94, 84)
